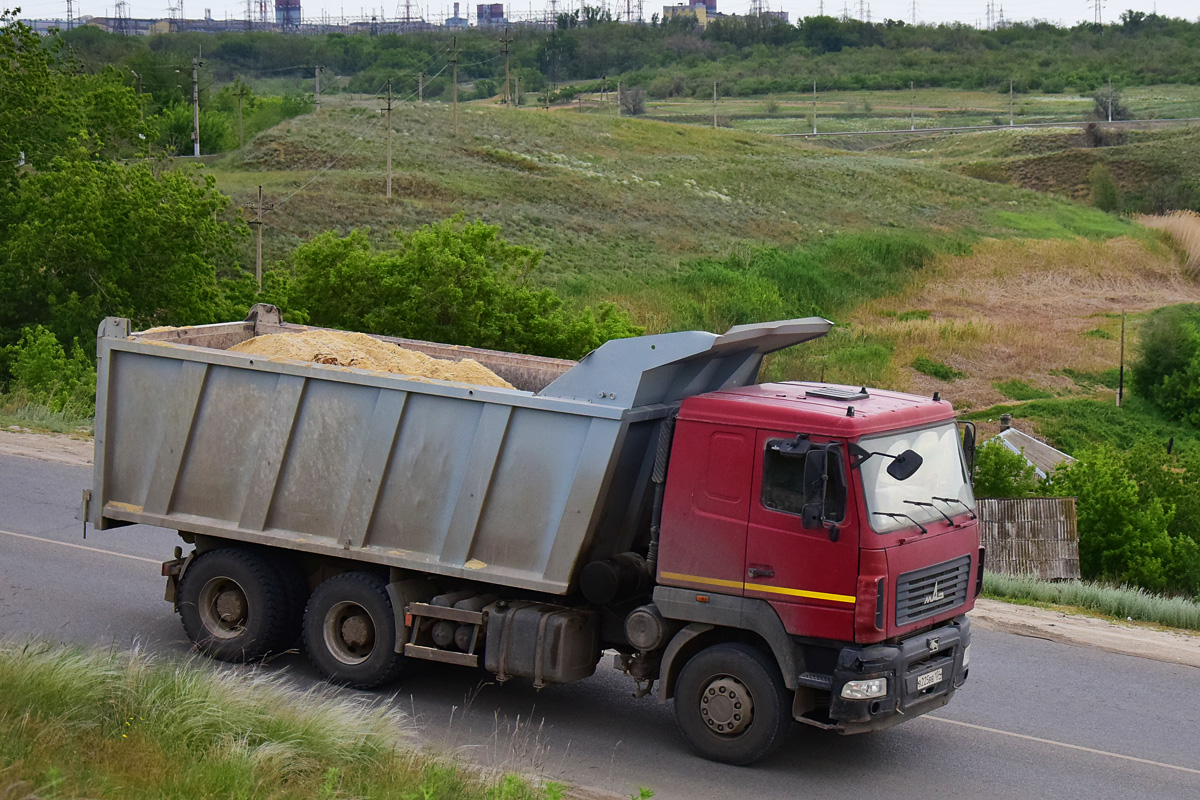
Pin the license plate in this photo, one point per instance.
(929, 679)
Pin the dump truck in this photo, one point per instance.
(756, 554)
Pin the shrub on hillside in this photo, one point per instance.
(1105, 195)
(999, 472)
(1167, 369)
(454, 281)
(633, 101)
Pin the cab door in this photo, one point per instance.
(792, 559)
(703, 540)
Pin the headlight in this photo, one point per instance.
(966, 656)
(865, 690)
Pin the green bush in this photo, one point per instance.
(999, 472)
(43, 374)
(454, 281)
(1105, 195)
(1167, 369)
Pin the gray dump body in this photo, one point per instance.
(517, 487)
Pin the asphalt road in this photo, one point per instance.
(1036, 718)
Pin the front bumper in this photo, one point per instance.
(910, 667)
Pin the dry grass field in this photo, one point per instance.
(1031, 310)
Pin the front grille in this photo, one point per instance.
(929, 591)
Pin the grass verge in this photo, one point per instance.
(1119, 602)
(76, 722)
(39, 419)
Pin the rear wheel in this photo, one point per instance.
(232, 604)
(350, 631)
(731, 704)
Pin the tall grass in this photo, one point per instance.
(17, 412)
(1123, 602)
(79, 722)
(1184, 228)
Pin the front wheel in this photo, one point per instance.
(731, 704)
(350, 631)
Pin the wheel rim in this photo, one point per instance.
(349, 633)
(726, 706)
(223, 608)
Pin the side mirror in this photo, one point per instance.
(905, 465)
(824, 492)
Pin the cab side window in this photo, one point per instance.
(809, 485)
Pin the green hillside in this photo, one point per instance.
(610, 199)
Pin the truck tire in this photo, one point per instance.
(350, 631)
(731, 704)
(232, 604)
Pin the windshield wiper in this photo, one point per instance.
(929, 505)
(960, 502)
(906, 516)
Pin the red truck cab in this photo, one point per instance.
(832, 525)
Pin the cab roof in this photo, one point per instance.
(823, 409)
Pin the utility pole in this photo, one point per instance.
(714, 105)
(317, 90)
(141, 100)
(912, 106)
(258, 223)
(1110, 100)
(420, 87)
(507, 80)
(1121, 374)
(1011, 122)
(454, 61)
(389, 140)
(196, 64)
(618, 99)
(814, 106)
(241, 92)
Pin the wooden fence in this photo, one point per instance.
(1035, 536)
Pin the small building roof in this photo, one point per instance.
(1044, 458)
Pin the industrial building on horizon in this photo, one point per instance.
(289, 17)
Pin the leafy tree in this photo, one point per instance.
(455, 282)
(1105, 195)
(87, 239)
(1167, 369)
(1122, 536)
(44, 103)
(999, 472)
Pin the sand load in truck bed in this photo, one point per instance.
(346, 349)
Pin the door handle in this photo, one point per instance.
(761, 572)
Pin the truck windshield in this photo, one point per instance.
(940, 488)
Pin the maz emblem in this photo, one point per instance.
(933, 598)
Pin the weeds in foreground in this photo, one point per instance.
(77, 722)
(1121, 602)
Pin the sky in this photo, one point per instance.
(1059, 12)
